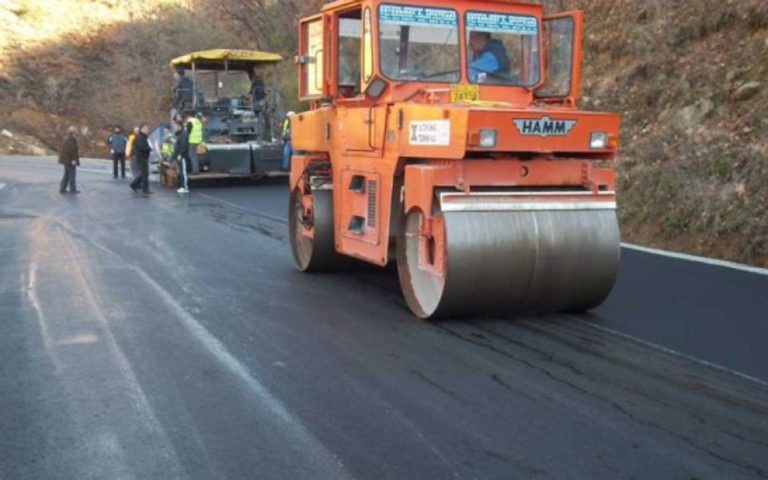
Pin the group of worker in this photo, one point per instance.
(489, 57)
(182, 148)
(134, 148)
(187, 133)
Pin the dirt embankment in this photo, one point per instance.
(691, 80)
(689, 77)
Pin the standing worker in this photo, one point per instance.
(287, 149)
(69, 156)
(181, 154)
(183, 93)
(130, 155)
(195, 131)
(141, 150)
(117, 145)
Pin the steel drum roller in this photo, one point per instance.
(513, 261)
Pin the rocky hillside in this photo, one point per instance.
(689, 76)
(691, 79)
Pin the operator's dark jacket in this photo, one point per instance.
(497, 49)
(69, 151)
(141, 147)
(183, 93)
(181, 149)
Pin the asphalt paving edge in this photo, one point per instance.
(671, 351)
(697, 259)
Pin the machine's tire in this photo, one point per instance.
(512, 262)
(317, 253)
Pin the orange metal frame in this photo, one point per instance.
(366, 139)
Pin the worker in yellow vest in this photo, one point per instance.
(195, 130)
(166, 149)
(129, 153)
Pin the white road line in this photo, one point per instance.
(673, 352)
(45, 331)
(294, 427)
(694, 258)
(135, 392)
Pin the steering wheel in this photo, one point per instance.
(509, 79)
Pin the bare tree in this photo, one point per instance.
(266, 21)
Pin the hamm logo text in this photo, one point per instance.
(544, 126)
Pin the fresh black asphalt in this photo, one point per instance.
(168, 337)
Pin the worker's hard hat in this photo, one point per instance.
(290, 114)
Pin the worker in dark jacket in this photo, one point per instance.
(69, 157)
(181, 155)
(117, 146)
(183, 92)
(142, 149)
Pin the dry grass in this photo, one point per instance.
(693, 172)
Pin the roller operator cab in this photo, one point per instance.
(446, 134)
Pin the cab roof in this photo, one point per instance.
(222, 58)
(337, 4)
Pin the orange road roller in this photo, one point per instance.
(445, 135)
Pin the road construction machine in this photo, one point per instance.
(234, 95)
(446, 135)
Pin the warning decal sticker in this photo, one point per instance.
(432, 132)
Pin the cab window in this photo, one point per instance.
(558, 43)
(348, 74)
(419, 43)
(502, 49)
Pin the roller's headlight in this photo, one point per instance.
(598, 140)
(488, 138)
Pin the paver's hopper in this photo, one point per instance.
(235, 94)
(446, 134)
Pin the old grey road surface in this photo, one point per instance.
(165, 337)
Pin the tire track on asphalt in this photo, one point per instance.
(323, 460)
(464, 334)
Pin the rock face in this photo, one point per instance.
(746, 91)
(692, 115)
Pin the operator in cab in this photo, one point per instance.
(489, 56)
(258, 89)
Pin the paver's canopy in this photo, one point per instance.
(236, 59)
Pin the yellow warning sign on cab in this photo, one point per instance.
(465, 93)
